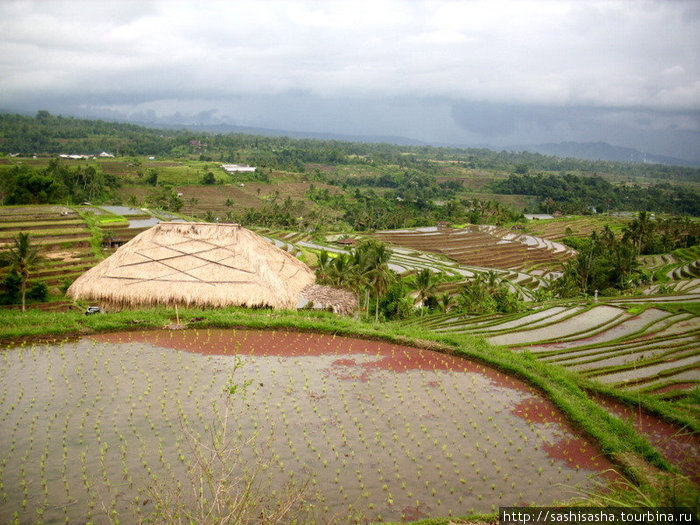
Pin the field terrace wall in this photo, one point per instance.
(62, 236)
(486, 246)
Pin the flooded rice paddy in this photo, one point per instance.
(367, 430)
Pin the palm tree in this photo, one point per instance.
(21, 257)
(425, 286)
(380, 279)
(446, 302)
(323, 268)
(339, 270)
(640, 230)
(372, 258)
(491, 280)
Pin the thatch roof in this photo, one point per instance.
(340, 301)
(195, 264)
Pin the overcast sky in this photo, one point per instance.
(463, 72)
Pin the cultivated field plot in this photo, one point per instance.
(104, 425)
(235, 197)
(630, 346)
(60, 232)
(557, 229)
(485, 245)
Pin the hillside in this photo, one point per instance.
(301, 182)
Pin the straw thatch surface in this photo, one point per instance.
(195, 265)
(340, 301)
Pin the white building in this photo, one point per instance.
(233, 168)
(73, 157)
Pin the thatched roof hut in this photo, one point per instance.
(340, 301)
(195, 264)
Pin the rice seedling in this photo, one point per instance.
(343, 423)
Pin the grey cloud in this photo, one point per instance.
(442, 70)
(672, 133)
(610, 53)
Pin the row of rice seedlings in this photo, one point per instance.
(670, 357)
(654, 333)
(598, 358)
(359, 434)
(474, 325)
(106, 423)
(627, 326)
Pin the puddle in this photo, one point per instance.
(143, 223)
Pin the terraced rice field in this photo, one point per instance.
(634, 348)
(627, 344)
(61, 233)
(485, 246)
(557, 229)
(677, 272)
(405, 261)
(97, 428)
(64, 237)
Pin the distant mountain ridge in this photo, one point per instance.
(577, 150)
(268, 132)
(591, 151)
(601, 151)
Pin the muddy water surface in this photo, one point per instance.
(370, 429)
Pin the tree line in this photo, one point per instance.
(609, 263)
(574, 194)
(56, 183)
(368, 210)
(365, 271)
(46, 133)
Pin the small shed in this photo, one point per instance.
(346, 241)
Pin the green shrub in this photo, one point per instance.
(38, 292)
(577, 243)
(9, 289)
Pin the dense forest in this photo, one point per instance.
(56, 183)
(571, 194)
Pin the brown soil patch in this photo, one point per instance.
(675, 387)
(62, 256)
